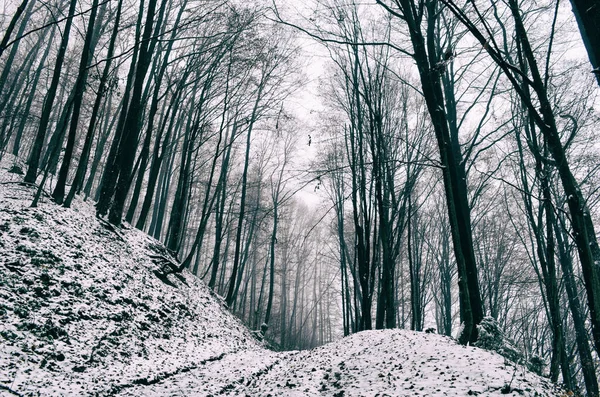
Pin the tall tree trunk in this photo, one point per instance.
(386, 310)
(222, 196)
(151, 116)
(175, 225)
(361, 215)
(236, 257)
(13, 51)
(590, 376)
(283, 300)
(587, 14)
(158, 214)
(36, 150)
(86, 55)
(87, 145)
(158, 155)
(413, 269)
(275, 195)
(129, 141)
(34, 85)
(428, 61)
(542, 112)
(583, 229)
(221, 193)
(105, 132)
(545, 249)
(110, 174)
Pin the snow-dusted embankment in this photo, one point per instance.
(397, 363)
(81, 311)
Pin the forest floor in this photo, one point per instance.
(82, 312)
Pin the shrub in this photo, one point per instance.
(491, 337)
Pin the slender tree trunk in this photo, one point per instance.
(151, 117)
(275, 196)
(361, 216)
(283, 300)
(236, 258)
(175, 226)
(583, 228)
(386, 308)
(111, 170)
(545, 253)
(105, 132)
(34, 85)
(446, 282)
(158, 214)
(87, 146)
(541, 111)
(129, 141)
(86, 55)
(36, 150)
(158, 156)
(427, 60)
(413, 271)
(218, 232)
(13, 51)
(222, 194)
(248, 238)
(590, 376)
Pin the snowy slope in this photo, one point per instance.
(397, 363)
(82, 313)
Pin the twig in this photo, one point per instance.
(8, 389)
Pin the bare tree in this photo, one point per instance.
(38, 142)
(531, 85)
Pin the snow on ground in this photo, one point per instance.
(396, 363)
(82, 313)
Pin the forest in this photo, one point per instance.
(331, 166)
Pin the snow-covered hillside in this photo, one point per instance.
(397, 363)
(82, 312)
